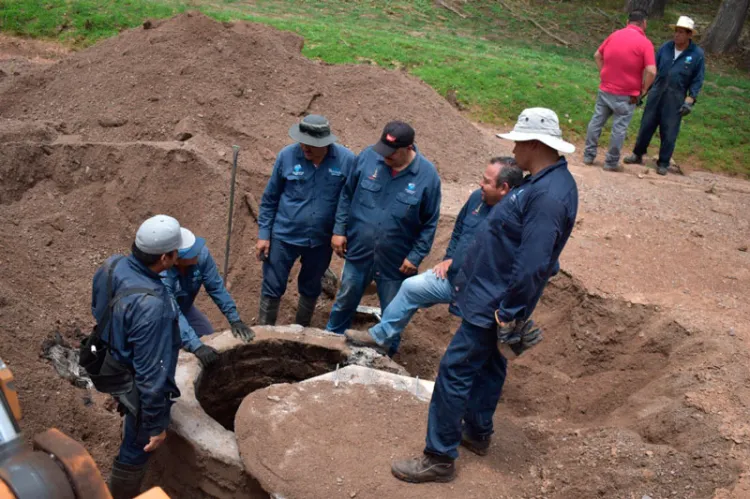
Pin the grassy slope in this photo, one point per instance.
(497, 63)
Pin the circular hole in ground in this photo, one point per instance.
(242, 370)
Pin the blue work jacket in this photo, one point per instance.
(185, 287)
(143, 335)
(386, 218)
(677, 78)
(469, 219)
(517, 250)
(299, 204)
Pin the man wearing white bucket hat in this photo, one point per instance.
(195, 269)
(497, 289)
(680, 70)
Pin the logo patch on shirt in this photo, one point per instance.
(374, 174)
(411, 188)
(476, 210)
(335, 171)
(297, 170)
(689, 59)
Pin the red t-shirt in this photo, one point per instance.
(626, 53)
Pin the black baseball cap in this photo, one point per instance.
(396, 135)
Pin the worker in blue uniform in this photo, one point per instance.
(497, 288)
(435, 286)
(195, 269)
(680, 71)
(137, 320)
(385, 221)
(297, 214)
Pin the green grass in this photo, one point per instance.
(498, 64)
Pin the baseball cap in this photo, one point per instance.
(396, 135)
(191, 245)
(158, 235)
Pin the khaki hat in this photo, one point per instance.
(538, 123)
(684, 22)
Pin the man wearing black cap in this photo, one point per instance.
(385, 222)
(297, 214)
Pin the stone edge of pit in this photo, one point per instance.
(192, 423)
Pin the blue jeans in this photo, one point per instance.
(198, 321)
(420, 291)
(134, 439)
(354, 280)
(468, 387)
(280, 260)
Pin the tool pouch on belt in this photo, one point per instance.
(108, 374)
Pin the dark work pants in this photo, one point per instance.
(663, 112)
(468, 387)
(280, 260)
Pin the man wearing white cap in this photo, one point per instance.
(680, 70)
(497, 289)
(195, 268)
(137, 324)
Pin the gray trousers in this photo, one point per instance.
(606, 105)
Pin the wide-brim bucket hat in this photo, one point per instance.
(538, 123)
(314, 130)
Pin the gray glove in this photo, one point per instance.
(241, 331)
(207, 355)
(685, 109)
(518, 336)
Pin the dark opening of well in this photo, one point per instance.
(240, 371)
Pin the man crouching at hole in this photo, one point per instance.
(137, 342)
(497, 289)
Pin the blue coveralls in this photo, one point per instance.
(185, 287)
(143, 335)
(675, 80)
(297, 214)
(505, 270)
(385, 219)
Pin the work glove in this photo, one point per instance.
(685, 109)
(515, 337)
(207, 355)
(241, 331)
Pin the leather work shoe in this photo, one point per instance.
(425, 468)
(661, 169)
(633, 159)
(479, 446)
(361, 338)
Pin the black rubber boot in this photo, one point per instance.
(269, 310)
(125, 480)
(305, 310)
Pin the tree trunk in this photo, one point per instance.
(654, 8)
(721, 37)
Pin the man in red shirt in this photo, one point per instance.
(627, 67)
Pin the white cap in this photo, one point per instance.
(538, 123)
(158, 235)
(685, 22)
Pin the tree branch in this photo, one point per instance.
(534, 22)
(452, 9)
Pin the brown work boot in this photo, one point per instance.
(479, 446)
(425, 468)
(361, 338)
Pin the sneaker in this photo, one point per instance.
(479, 446)
(361, 338)
(425, 468)
(588, 161)
(661, 170)
(633, 159)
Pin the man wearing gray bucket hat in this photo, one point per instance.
(297, 215)
(138, 336)
(497, 289)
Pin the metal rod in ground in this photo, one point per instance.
(235, 153)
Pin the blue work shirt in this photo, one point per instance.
(469, 219)
(143, 335)
(299, 204)
(185, 287)
(388, 219)
(517, 250)
(678, 78)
